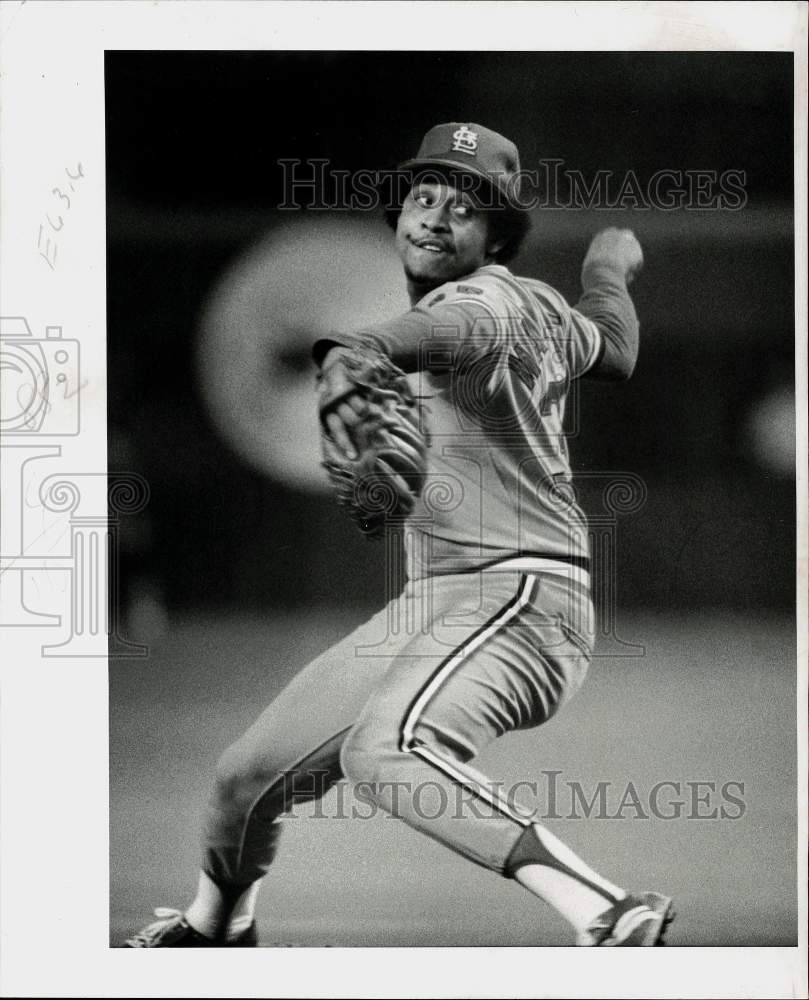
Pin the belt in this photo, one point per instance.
(539, 564)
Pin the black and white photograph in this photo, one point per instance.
(439, 563)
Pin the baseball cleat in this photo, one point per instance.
(637, 921)
(172, 930)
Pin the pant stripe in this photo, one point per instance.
(271, 785)
(462, 777)
(409, 742)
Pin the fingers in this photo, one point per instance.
(339, 434)
(632, 253)
(615, 246)
(358, 404)
(343, 419)
(613, 241)
(397, 483)
(634, 269)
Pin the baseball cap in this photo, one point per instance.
(476, 152)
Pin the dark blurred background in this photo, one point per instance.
(240, 569)
(193, 182)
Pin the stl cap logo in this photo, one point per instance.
(466, 141)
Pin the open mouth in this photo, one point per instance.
(431, 246)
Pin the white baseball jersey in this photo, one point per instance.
(493, 357)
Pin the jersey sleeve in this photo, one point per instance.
(583, 344)
(606, 304)
(576, 337)
(456, 318)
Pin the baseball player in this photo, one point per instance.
(494, 630)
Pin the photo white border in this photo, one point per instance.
(53, 715)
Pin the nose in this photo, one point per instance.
(435, 218)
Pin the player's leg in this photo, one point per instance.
(510, 666)
(291, 754)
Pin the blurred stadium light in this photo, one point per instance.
(770, 431)
(308, 278)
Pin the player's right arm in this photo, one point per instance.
(604, 335)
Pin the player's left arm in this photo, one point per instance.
(421, 339)
(604, 322)
(414, 340)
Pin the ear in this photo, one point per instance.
(494, 247)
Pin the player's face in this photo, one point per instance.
(441, 235)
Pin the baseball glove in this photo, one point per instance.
(371, 399)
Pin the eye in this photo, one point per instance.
(464, 211)
(424, 197)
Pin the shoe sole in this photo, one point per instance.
(643, 926)
(668, 917)
(663, 906)
(248, 940)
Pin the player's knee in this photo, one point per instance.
(437, 740)
(237, 776)
(359, 759)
